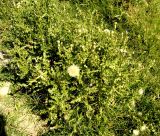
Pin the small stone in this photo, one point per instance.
(5, 89)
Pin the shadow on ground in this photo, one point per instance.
(2, 126)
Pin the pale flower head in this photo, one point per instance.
(73, 70)
(135, 132)
(143, 128)
(107, 31)
(19, 4)
(123, 50)
(141, 91)
(140, 113)
(82, 30)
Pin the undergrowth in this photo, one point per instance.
(114, 44)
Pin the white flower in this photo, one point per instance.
(73, 71)
(18, 4)
(107, 31)
(83, 47)
(136, 132)
(141, 91)
(123, 50)
(143, 128)
(5, 89)
(90, 84)
(140, 113)
(82, 30)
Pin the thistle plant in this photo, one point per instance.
(91, 66)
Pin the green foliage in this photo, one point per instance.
(114, 48)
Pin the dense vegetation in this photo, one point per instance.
(113, 46)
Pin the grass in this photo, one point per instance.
(114, 45)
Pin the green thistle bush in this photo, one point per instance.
(116, 59)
